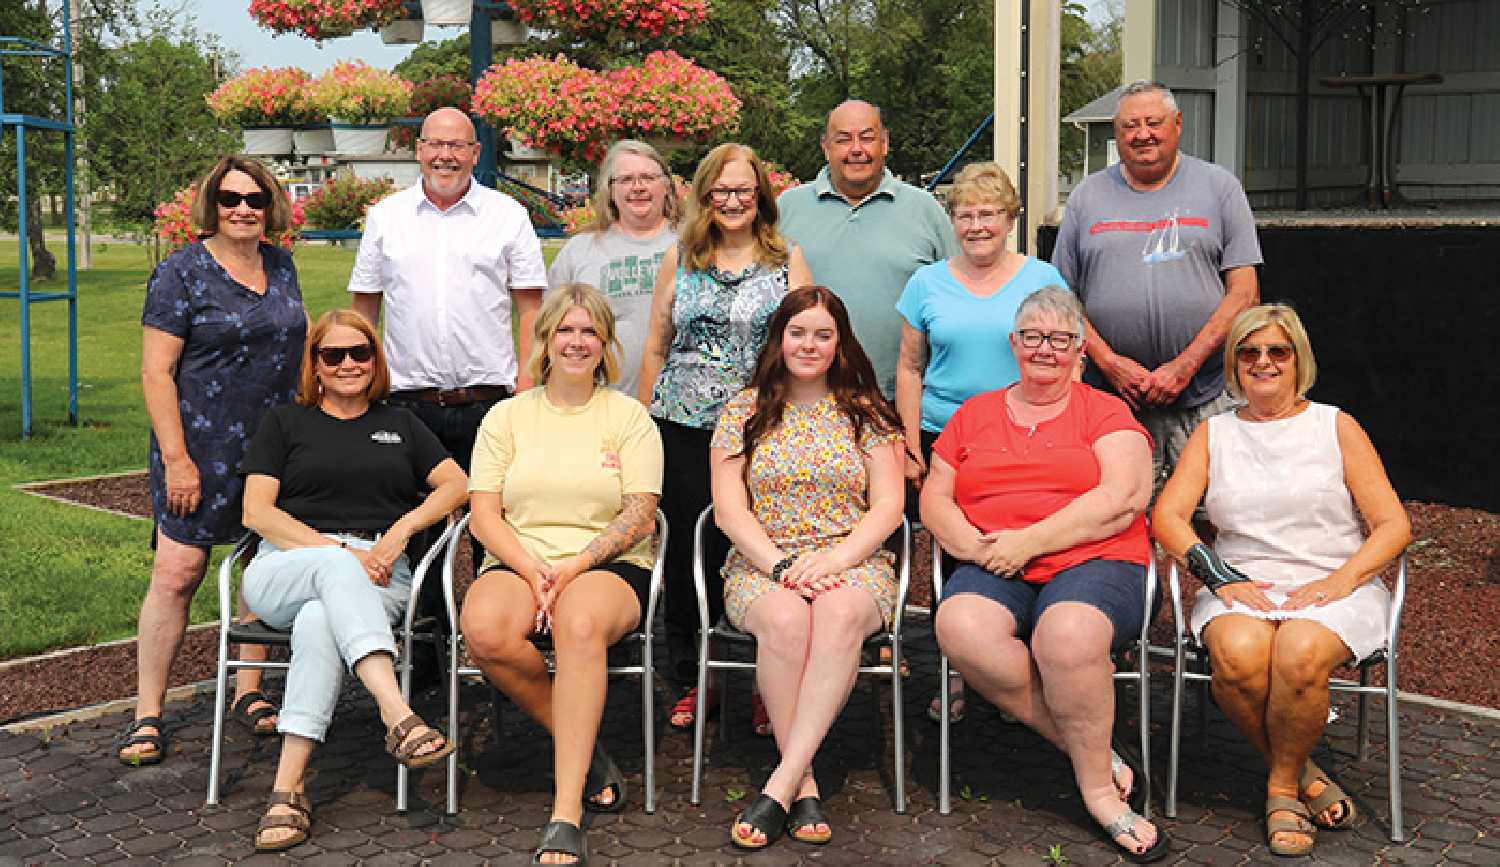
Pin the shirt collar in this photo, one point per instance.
(469, 200)
(823, 185)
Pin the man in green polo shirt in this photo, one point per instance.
(864, 232)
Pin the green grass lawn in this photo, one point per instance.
(70, 575)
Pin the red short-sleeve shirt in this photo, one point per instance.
(1010, 477)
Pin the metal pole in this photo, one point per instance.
(481, 55)
(70, 141)
(25, 294)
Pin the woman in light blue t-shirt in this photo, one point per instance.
(959, 314)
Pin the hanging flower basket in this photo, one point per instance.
(440, 91)
(504, 32)
(447, 12)
(549, 104)
(407, 31)
(324, 19)
(262, 97)
(359, 139)
(313, 140)
(649, 18)
(353, 92)
(671, 97)
(267, 141)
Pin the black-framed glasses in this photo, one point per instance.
(1060, 341)
(258, 200)
(643, 180)
(1279, 353)
(447, 144)
(333, 356)
(721, 195)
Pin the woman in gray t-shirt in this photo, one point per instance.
(636, 210)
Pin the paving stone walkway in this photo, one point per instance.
(64, 797)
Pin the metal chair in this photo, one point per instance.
(644, 635)
(724, 632)
(256, 632)
(1141, 675)
(1387, 657)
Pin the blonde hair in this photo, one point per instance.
(549, 318)
(984, 182)
(699, 232)
(205, 210)
(1253, 320)
(605, 212)
(309, 389)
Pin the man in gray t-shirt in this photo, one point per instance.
(1161, 249)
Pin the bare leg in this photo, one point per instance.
(176, 572)
(291, 776)
(781, 622)
(979, 636)
(1303, 657)
(1071, 647)
(1240, 646)
(593, 612)
(497, 618)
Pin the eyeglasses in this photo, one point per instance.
(983, 218)
(644, 180)
(1060, 341)
(1279, 353)
(258, 200)
(333, 356)
(446, 144)
(720, 195)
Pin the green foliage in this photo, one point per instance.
(1091, 65)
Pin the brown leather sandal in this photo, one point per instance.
(1289, 816)
(1331, 794)
(300, 820)
(403, 747)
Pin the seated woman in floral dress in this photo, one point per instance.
(807, 484)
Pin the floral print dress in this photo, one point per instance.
(808, 489)
(241, 354)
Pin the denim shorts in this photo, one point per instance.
(1113, 587)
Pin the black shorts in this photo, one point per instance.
(639, 579)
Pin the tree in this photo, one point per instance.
(1090, 66)
(1304, 27)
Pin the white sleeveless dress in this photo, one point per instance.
(1276, 493)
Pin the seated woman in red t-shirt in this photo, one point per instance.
(1039, 489)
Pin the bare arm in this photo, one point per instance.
(636, 520)
(941, 514)
(909, 372)
(1241, 292)
(449, 490)
(798, 274)
(160, 354)
(1125, 374)
(1390, 528)
(487, 523)
(732, 511)
(527, 300)
(271, 523)
(1172, 519)
(660, 331)
(367, 304)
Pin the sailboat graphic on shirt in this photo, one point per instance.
(1164, 243)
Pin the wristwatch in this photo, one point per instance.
(1209, 568)
(781, 566)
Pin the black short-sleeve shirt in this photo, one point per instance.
(345, 474)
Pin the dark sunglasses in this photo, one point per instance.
(1279, 353)
(333, 356)
(257, 200)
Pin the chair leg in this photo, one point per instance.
(216, 754)
(453, 723)
(1364, 715)
(898, 727)
(1145, 720)
(648, 721)
(699, 712)
(1393, 749)
(945, 795)
(1203, 697)
(1174, 747)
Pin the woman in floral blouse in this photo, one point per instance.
(714, 294)
(807, 483)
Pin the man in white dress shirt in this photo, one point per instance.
(453, 260)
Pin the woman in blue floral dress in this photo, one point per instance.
(224, 328)
(715, 293)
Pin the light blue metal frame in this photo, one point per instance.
(21, 123)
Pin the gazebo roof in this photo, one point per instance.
(1101, 109)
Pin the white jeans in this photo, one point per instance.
(337, 616)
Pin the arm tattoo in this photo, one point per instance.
(636, 519)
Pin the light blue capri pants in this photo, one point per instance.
(338, 616)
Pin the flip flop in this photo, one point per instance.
(765, 816)
(1298, 822)
(240, 712)
(1332, 794)
(562, 838)
(604, 775)
(805, 813)
(1125, 824)
(133, 736)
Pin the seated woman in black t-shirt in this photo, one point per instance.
(336, 485)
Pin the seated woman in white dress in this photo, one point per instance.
(1291, 585)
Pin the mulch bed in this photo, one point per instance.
(1450, 644)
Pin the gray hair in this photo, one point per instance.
(605, 212)
(1137, 88)
(1052, 299)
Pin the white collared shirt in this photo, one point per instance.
(446, 277)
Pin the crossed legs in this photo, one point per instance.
(1062, 686)
(807, 658)
(1271, 680)
(593, 612)
(176, 572)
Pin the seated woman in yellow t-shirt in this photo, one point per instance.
(565, 480)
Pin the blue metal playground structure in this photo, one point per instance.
(21, 124)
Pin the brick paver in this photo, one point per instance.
(64, 798)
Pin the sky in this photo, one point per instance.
(230, 21)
